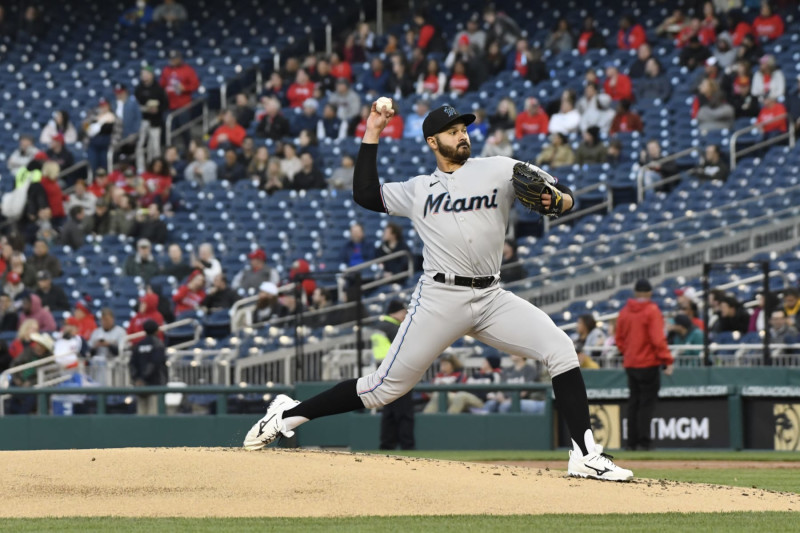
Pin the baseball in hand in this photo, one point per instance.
(383, 103)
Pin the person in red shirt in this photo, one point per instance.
(737, 27)
(617, 85)
(641, 340)
(768, 120)
(339, 68)
(427, 31)
(767, 25)
(394, 128)
(228, 133)
(99, 186)
(179, 80)
(522, 57)
(590, 38)
(83, 319)
(625, 120)
(55, 196)
(361, 125)
(301, 90)
(532, 121)
(190, 295)
(157, 183)
(630, 35)
(433, 81)
(459, 82)
(148, 310)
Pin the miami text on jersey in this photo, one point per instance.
(473, 203)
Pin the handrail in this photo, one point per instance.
(238, 309)
(381, 281)
(21, 368)
(69, 170)
(644, 168)
(171, 117)
(790, 134)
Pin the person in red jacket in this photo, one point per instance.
(394, 128)
(340, 69)
(767, 25)
(617, 85)
(189, 295)
(228, 133)
(148, 310)
(179, 80)
(83, 319)
(532, 121)
(55, 196)
(625, 120)
(589, 38)
(642, 341)
(630, 35)
(301, 90)
(768, 119)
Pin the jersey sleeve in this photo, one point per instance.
(398, 198)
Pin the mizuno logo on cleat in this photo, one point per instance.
(262, 425)
(599, 471)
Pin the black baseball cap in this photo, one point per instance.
(442, 117)
(642, 285)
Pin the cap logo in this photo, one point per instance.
(449, 111)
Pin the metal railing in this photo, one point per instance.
(790, 134)
(42, 366)
(607, 205)
(409, 272)
(170, 133)
(640, 185)
(722, 355)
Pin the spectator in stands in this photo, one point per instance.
(59, 153)
(139, 15)
(309, 176)
(501, 28)
(345, 100)
(243, 112)
(276, 180)
(458, 83)
(732, 316)
(32, 308)
(494, 60)
(325, 83)
(683, 331)
(782, 330)
(505, 115)
(276, 88)
(479, 129)
(744, 104)
(511, 268)
(101, 126)
(433, 81)
(791, 303)
(630, 34)
(9, 318)
(179, 80)
(101, 186)
(342, 177)
(657, 171)
(556, 154)
(207, 262)
(625, 120)
(257, 169)
(83, 321)
(153, 103)
(640, 339)
(104, 340)
(82, 197)
(228, 134)
(392, 242)
(290, 164)
(340, 69)
(532, 121)
(41, 259)
(272, 125)
(401, 83)
(716, 113)
(301, 90)
(170, 12)
(617, 85)
(329, 126)
(723, 52)
(712, 165)
(127, 110)
(429, 39)
(356, 251)
(122, 214)
(72, 232)
(267, 306)
(375, 82)
(767, 25)
(148, 367)
(653, 86)
(757, 321)
(51, 295)
(175, 265)
(497, 144)
(451, 371)
(594, 109)
(148, 225)
(247, 151)
(590, 38)
(750, 50)
(60, 124)
(14, 285)
(561, 38)
(148, 310)
(591, 150)
(202, 170)
(643, 54)
(413, 122)
(587, 339)
(694, 53)
(44, 227)
(568, 119)
(687, 305)
(518, 373)
(475, 35)
(614, 154)
(220, 295)
(41, 346)
(768, 80)
(232, 170)
(23, 155)
(191, 294)
(23, 340)
(142, 263)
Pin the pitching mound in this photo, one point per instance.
(196, 482)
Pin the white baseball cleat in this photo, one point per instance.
(269, 428)
(596, 465)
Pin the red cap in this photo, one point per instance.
(82, 306)
(193, 275)
(102, 101)
(41, 156)
(58, 137)
(257, 254)
(13, 278)
(464, 39)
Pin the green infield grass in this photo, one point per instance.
(561, 455)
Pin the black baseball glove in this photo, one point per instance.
(530, 183)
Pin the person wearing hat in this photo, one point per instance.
(148, 367)
(60, 123)
(32, 308)
(532, 121)
(683, 331)
(13, 285)
(52, 296)
(142, 262)
(257, 272)
(57, 152)
(101, 126)
(190, 295)
(179, 80)
(228, 134)
(643, 345)
(23, 155)
(460, 211)
(148, 310)
(98, 223)
(617, 85)
(40, 346)
(267, 306)
(153, 103)
(451, 371)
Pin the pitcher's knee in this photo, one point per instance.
(376, 392)
(563, 356)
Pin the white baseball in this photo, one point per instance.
(383, 103)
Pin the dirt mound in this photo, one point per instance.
(201, 482)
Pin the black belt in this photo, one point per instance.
(476, 283)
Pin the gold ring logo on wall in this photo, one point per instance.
(606, 425)
(787, 426)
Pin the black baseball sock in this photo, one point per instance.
(573, 405)
(341, 398)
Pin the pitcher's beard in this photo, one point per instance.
(459, 154)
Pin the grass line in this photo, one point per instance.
(561, 455)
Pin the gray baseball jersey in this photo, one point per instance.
(461, 218)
